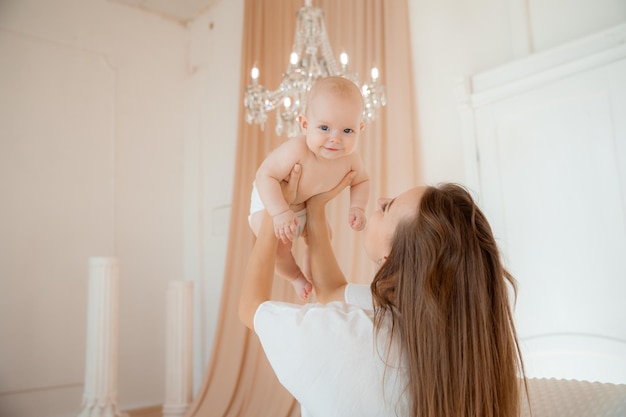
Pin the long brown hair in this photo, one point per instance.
(445, 288)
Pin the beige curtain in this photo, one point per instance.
(239, 382)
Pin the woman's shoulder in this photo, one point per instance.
(357, 308)
(308, 325)
(310, 313)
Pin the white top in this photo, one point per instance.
(359, 295)
(327, 358)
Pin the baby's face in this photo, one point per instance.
(333, 124)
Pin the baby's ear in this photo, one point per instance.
(302, 121)
(361, 126)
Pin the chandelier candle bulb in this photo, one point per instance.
(254, 74)
(287, 102)
(374, 74)
(293, 59)
(344, 60)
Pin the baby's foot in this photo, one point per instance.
(302, 286)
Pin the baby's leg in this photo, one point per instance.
(286, 266)
(307, 257)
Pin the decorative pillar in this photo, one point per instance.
(100, 395)
(178, 349)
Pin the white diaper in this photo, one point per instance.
(257, 205)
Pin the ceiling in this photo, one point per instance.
(181, 11)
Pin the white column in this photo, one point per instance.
(100, 395)
(178, 349)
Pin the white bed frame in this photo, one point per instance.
(545, 152)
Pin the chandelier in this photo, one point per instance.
(311, 59)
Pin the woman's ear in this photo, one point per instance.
(303, 122)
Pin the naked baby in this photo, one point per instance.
(331, 126)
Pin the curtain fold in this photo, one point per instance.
(239, 381)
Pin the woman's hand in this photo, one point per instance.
(289, 185)
(257, 281)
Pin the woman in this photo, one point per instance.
(434, 337)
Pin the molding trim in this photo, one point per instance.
(537, 69)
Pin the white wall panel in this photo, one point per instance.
(554, 22)
(56, 188)
(91, 157)
(551, 179)
(213, 105)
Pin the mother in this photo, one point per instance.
(432, 337)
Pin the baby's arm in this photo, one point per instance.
(275, 168)
(359, 194)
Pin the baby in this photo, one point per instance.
(331, 124)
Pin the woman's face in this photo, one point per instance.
(383, 222)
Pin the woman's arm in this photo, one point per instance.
(259, 275)
(328, 280)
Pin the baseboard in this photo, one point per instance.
(152, 411)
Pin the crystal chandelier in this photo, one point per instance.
(311, 59)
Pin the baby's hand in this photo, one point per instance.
(285, 225)
(357, 219)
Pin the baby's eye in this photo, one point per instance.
(348, 130)
(324, 127)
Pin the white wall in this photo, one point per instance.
(212, 107)
(455, 38)
(91, 157)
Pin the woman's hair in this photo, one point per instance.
(445, 288)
